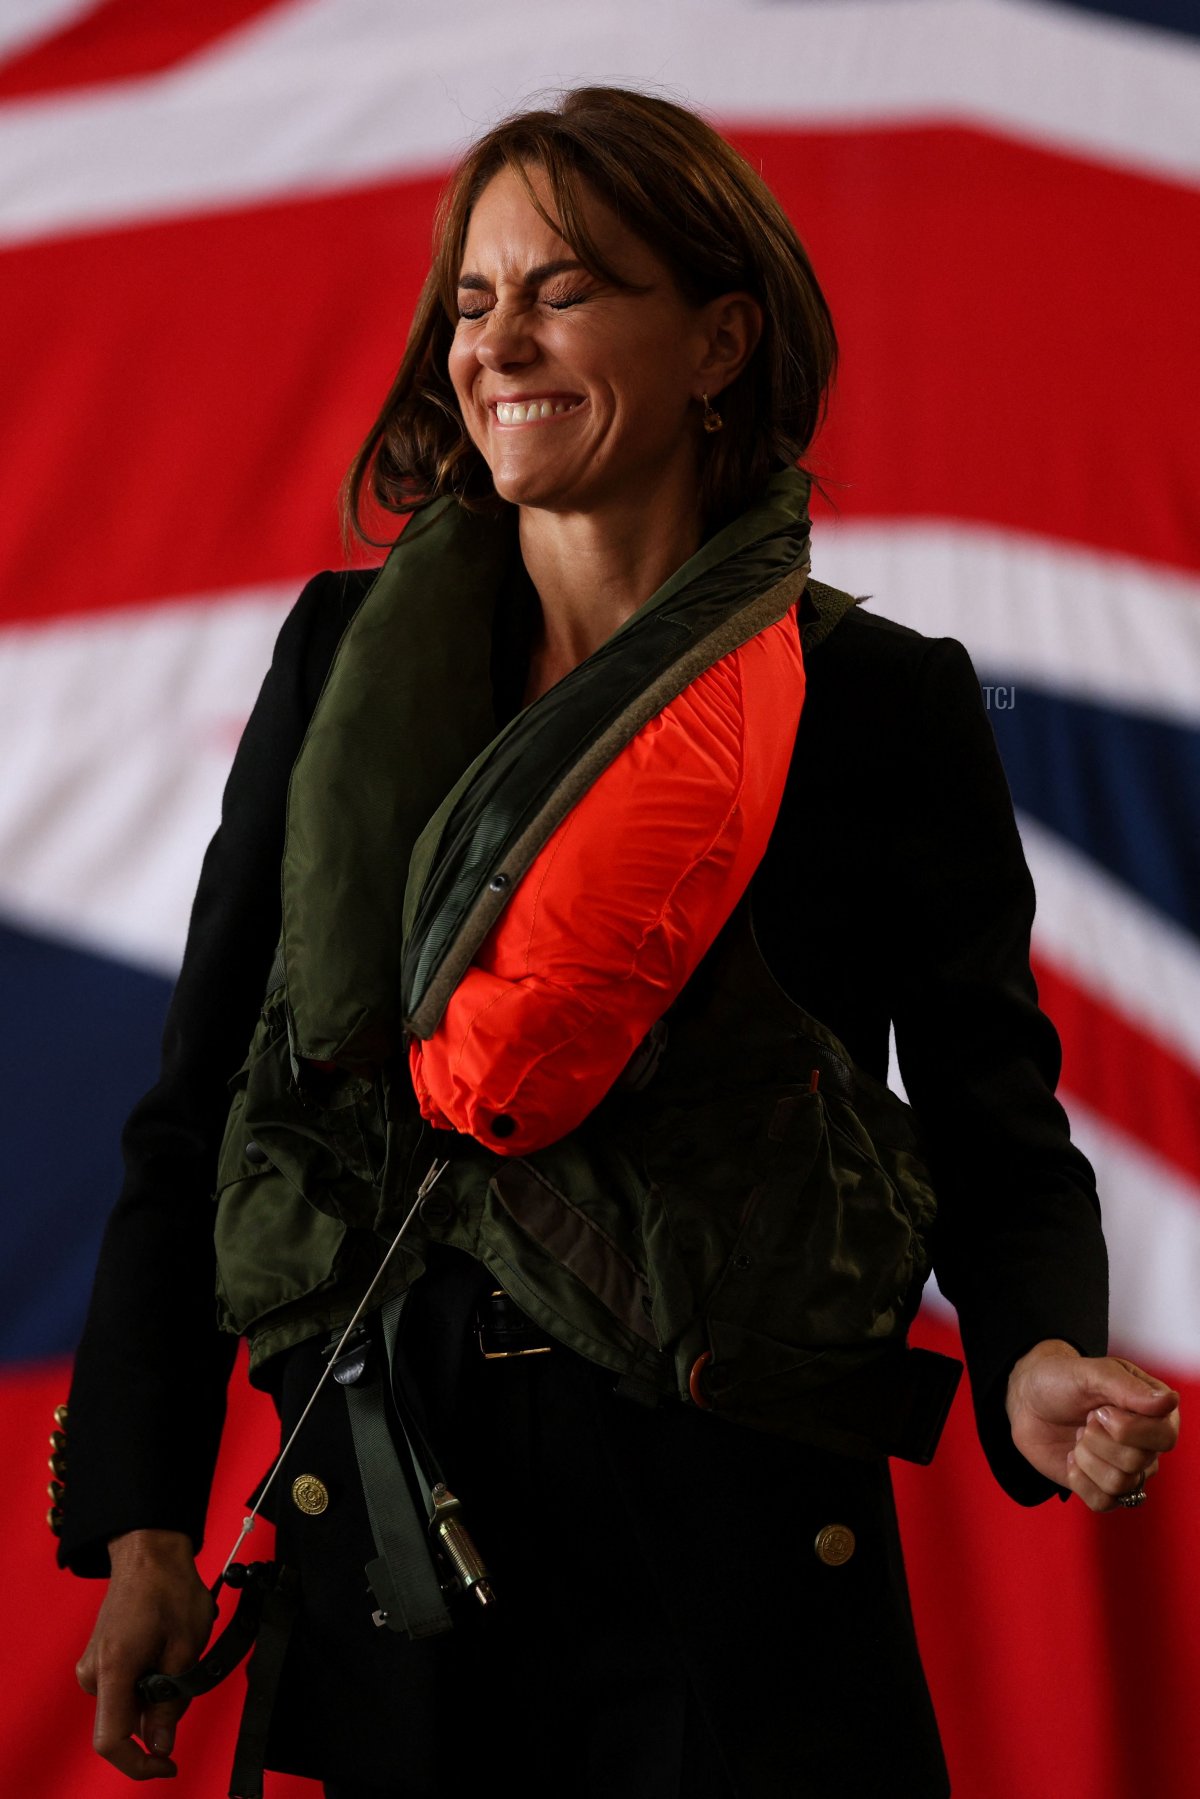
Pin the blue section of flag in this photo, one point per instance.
(82, 1044)
(1167, 15)
(1121, 787)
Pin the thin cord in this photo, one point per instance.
(437, 1169)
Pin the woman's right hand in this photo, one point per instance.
(156, 1618)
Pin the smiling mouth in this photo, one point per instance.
(532, 412)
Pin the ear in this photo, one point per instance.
(732, 326)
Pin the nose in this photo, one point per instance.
(506, 340)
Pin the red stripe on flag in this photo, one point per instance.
(1017, 326)
(122, 38)
(200, 390)
(1121, 1072)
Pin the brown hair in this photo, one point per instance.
(679, 186)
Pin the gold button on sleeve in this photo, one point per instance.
(834, 1544)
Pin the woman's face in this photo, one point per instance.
(580, 396)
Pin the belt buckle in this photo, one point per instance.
(504, 1355)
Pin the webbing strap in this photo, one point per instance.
(403, 1576)
(262, 1683)
(419, 1453)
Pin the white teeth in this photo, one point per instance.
(518, 412)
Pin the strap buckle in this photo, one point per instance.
(503, 1331)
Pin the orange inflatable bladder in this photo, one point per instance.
(618, 908)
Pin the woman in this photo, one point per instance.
(614, 266)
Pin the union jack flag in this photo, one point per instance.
(214, 219)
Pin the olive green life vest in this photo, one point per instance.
(747, 1204)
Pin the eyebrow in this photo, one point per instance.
(543, 271)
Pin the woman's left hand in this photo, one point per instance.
(1094, 1424)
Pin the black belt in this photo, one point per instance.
(895, 1407)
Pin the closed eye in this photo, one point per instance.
(558, 304)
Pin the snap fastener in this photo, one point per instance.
(834, 1545)
(436, 1210)
(310, 1495)
(255, 1152)
(498, 884)
(353, 1362)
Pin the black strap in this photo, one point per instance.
(403, 1576)
(929, 1391)
(899, 1407)
(262, 1683)
(257, 1581)
(895, 1406)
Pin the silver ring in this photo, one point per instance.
(1136, 1498)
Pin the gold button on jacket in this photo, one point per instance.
(310, 1495)
(834, 1544)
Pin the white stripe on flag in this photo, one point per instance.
(1151, 1220)
(1094, 626)
(116, 734)
(315, 96)
(1108, 940)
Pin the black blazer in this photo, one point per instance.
(894, 888)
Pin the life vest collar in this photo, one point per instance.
(410, 817)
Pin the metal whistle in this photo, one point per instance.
(456, 1539)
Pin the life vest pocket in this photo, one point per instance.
(708, 1157)
(273, 1246)
(321, 1129)
(296, 1181)
(831, 1252)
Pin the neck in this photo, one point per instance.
(592, 571)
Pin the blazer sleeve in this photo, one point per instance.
(147, 1399)
(1017, 1246)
